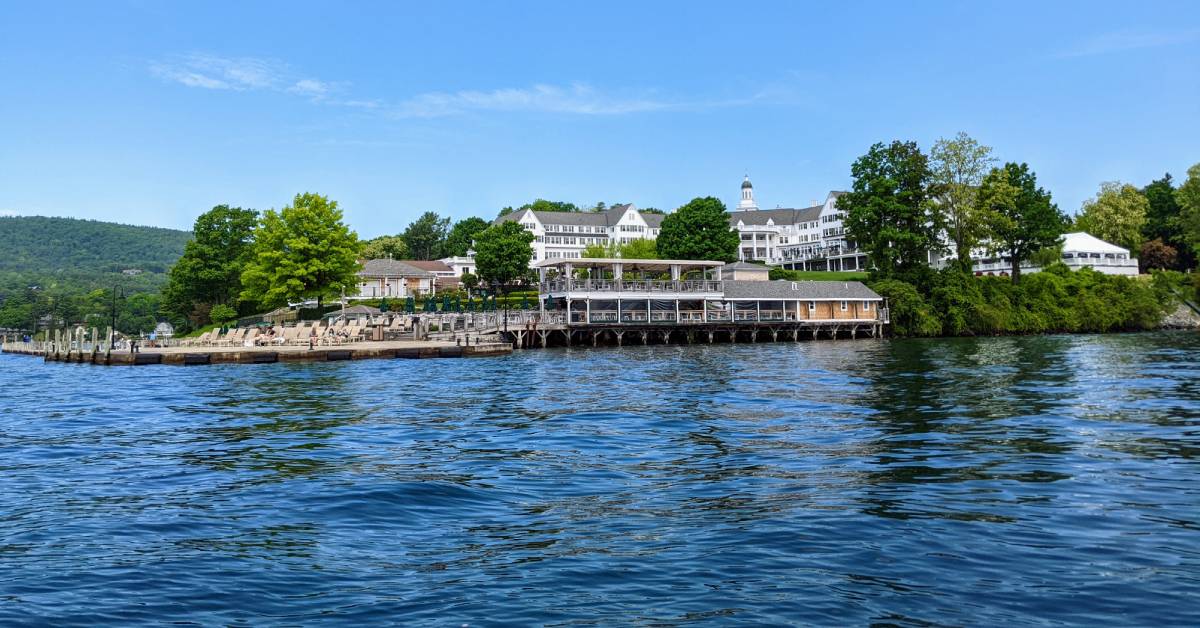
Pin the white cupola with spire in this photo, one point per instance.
(747, 203)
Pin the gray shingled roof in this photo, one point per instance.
(391, 268)
(561, 218)
(849, 290)
(746, 266)
(779, 216)
(606, 218)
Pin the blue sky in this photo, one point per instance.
(152, 112)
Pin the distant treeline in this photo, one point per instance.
(56, 270)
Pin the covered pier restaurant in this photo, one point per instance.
(618, 301)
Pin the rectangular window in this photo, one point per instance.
(843, 306)
(812, 306)
(866, 306)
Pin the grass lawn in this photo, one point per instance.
(817, 275)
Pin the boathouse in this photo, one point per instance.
(592, 300)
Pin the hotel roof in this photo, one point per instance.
(775, 216)
(825, 290)
(606, 218)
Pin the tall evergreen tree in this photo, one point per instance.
(1021, 219)
(699, 230)
(426, 236)
(888, 210)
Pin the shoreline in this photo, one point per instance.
(196, 356)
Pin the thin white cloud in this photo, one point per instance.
(214, 72)
(1122, 41)
(310, 87)
(207, 71)
(8, 213)
(578, 98)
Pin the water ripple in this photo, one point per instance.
(1039, 481)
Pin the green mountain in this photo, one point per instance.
(56, 268)
(70, 246)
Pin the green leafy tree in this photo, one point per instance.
(502, 253)
(469, 281)
(1116, 215)
(209, 272)
(385, 247)
(1021, 219)
(1162, 217)
(698, 231)
(1163, 220)
(426, 236)
(640, 248)
(222, 314)
(888, 210)
(958, 165)
(1188, 197)
(304, 251)
(462, 234)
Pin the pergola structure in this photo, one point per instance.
(634, 269)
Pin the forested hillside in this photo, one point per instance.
(56, 268)
(68, 245)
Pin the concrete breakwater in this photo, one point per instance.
(194, 356)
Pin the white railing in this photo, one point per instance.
(634, 285)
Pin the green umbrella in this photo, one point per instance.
(470, 304)
(524, 301)
(445, 303)
(410, 305)
(430, 304)
(457, 304)
(383, 305)
(550, 303)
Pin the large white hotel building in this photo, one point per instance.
(811, 238)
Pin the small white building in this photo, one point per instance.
(1079, 249)
(393, 279)
(460, 264)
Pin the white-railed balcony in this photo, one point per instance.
(636, 286)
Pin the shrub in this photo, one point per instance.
(910, 314)
(222, 314)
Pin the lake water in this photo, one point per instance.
(1039, 480)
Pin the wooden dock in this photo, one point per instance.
(194, 356)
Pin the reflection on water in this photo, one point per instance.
(1037, 480)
